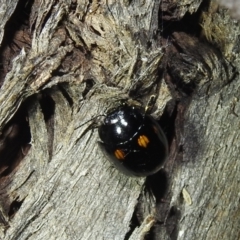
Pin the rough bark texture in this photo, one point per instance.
(66, 62)
(234, 7)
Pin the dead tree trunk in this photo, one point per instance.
(67, 62)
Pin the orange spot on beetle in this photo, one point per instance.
(143, 141)
(119, 154)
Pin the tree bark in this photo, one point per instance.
(64, 64)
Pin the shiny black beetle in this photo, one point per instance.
(133, 141)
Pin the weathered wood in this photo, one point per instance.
(210, 164)
(233, 6)
(83, 57)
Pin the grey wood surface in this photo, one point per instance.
(67, 188)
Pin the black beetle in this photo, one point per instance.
(133, 141)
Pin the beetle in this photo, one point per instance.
(133, 140)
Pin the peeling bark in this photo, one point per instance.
(70, 61)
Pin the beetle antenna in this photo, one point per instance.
(150, 104)
(102, 115)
